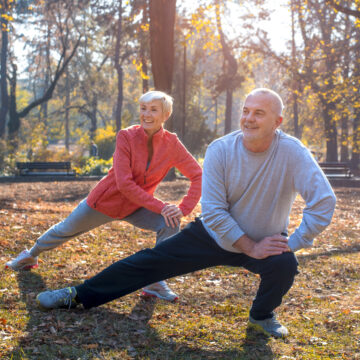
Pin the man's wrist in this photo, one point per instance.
(245, 245)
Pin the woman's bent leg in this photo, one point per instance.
(82, 219)
(146, 219)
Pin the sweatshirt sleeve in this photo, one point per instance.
(315, 189)
(190, 168)
(214, 205)
(124, 178)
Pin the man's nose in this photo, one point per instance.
(250, 116)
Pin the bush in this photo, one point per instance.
(105, 140)
(94, 167)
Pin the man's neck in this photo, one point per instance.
(258, 146)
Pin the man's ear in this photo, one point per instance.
(279, 121)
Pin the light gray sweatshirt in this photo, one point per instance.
(252, 193)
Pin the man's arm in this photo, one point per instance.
(269, 246)
(214, 205)
(313, 186)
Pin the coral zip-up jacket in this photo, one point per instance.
(130, 184)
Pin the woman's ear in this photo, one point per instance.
(166, 116)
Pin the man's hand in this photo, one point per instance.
(172, 215)
(269, 246)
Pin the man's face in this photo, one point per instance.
(259, 121)
(152, 116)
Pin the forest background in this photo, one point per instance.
(73, 71)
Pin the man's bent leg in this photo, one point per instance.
(190, 250)
(277, 276)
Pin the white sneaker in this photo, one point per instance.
(160, 290)
(57, 299)
(270, 327)
(24, 261)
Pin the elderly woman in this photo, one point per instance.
(144, 154)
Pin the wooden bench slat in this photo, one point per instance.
(336, 169)
(27, 168)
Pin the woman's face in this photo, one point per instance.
(152, 116)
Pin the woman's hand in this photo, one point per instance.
(172, 215)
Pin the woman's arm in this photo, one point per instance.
(190, 168)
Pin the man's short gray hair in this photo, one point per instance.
(166, 100)
(277, 101)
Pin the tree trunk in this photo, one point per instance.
(162, 21)
(330, 132)
(228, 110)
(44, 106)
(3, 77)
(162, 50)
(344, 153)
(294, 82)
(67, 111)
(230, 68)
(355, 154)
(93, 117)
(119, 69)
(14, 120)
(144, 66)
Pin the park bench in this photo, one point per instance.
(45, 168)
(336, 170)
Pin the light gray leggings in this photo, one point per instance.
(83, 218)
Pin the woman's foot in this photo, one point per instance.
(160, 290)
(24, 261)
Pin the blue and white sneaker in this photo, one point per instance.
(269, 327)
(57, 299)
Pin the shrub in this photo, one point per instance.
(94, 167)
(105, 140)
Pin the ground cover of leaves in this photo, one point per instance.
(322, 310)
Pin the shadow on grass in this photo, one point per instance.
(103, 333)
(333, 252)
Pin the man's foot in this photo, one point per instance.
(57, 299)
(160, 290)
(270, 327)
(24, 261)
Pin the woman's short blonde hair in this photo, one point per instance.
(166, 100)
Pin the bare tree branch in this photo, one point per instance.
(343, 9)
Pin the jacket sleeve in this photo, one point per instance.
(313, 186)
(190, 168)
(214, 204)
(124, 178)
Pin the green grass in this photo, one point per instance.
(322, 310)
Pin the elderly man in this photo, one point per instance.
(250, 180)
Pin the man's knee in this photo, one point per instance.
(285, 264)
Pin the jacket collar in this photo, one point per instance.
(158, 135)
